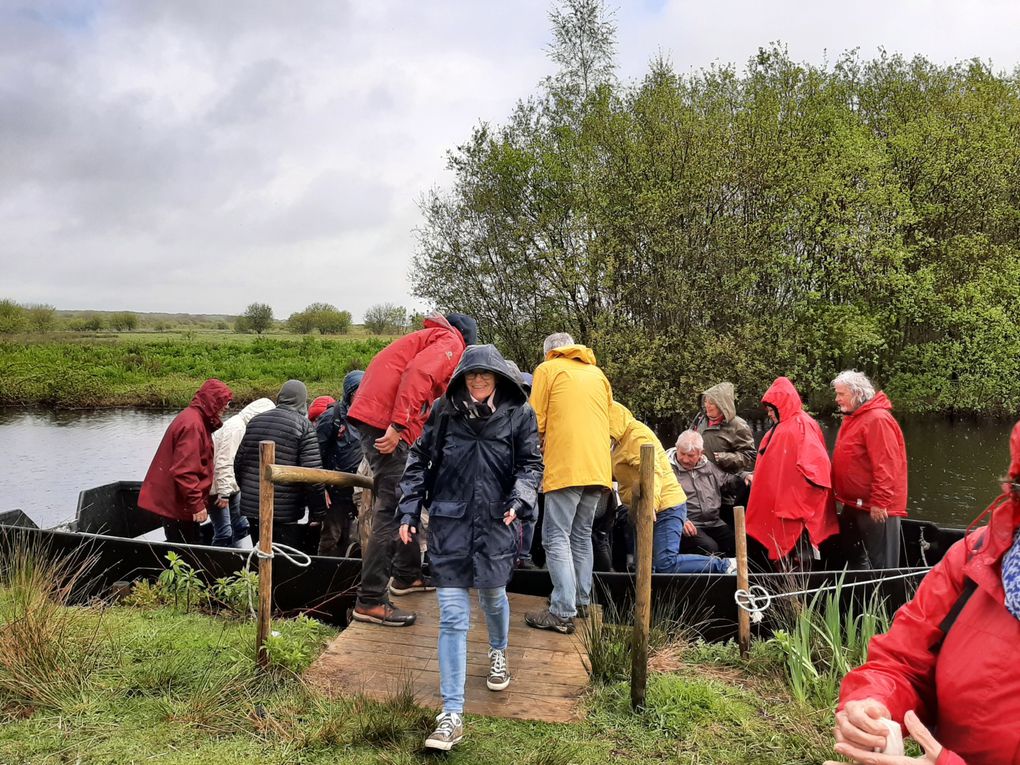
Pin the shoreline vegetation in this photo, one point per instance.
(167, 675)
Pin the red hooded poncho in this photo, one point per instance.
(792, 490)
(965, 684)
(181, 474)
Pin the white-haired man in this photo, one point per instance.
(704, 483)
(571, 398)
(869, 473)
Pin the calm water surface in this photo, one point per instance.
(50, 456)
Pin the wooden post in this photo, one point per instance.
(267, 456)
(643, 521)
(743, 617)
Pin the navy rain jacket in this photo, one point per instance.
(487, 465)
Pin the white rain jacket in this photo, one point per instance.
(225, 443)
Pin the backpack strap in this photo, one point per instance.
(969, 588)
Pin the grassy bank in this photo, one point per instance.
(149, 683)
(165, 369)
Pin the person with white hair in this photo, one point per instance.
(571, 398)
(869, 473)
(704, 483)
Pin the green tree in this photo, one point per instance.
(123, 320)
(257, 318)
(13, 318)
(385, 319)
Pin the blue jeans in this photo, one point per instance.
(229, 526)
(666, 555)
(454, 620)
(566, 538)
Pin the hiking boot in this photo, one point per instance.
(403, 587)
(547, 620)
(449, 731)
(385, 614)
(499, 674)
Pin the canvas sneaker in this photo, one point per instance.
(499, 673)
(448, 733)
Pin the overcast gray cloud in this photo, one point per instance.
(196, 156)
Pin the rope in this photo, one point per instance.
(756, 599)
(282, 550)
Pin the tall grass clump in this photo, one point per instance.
(827, 637)
(48, 651)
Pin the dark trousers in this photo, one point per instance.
(336, 528)
(602, 533)
(385, 555)
(183, 532)
(868, 543)
(711, 540)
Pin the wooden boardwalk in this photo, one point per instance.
(547, 668)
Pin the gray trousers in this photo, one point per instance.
(869, 544)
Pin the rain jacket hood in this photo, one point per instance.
(258, 406)
(464, 324)
(294, 396)
(350, 386)
(784, 398)
(210, 399)
(225, 443)
(723, 396)
(578, 352)
(485, 358)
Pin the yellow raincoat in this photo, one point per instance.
(571, 397)
(630, 435)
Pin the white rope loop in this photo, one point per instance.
(756, 599)
(299, 558)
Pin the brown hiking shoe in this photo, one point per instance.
(546, 620)
(385, 614)
(402, 587)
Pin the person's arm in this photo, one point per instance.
(886, 460)
(741, 453)
(424, 379)
(186, 469)
(225, 443)
(416, 472)
(308, 456)
(527, 464)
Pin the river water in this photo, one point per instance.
(50, 456)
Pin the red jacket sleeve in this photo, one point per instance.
(950, 758)
(900, 670)
(886, 461)
(186, 468)
(424, 380)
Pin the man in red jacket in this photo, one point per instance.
(181, 474)
(389, 412)
(958, 676)
(869, 473)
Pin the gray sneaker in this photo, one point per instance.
(448, 733)
(499, 674)
(546, 620)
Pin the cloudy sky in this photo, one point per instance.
(198, 155)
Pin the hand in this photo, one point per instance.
(406, 532)
(509, 516)
(388, 443)
(748, 478)
(690, 530)
(329, 502)
(222, 503)
(879, 514)
(920, 734)
(201, 516)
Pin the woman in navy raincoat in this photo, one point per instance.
(477, 468)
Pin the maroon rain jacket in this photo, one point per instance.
(181, 474)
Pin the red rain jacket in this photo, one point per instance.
(181, 474)
(791, 490)
(406, 376)
(869, 462)
(968, 688)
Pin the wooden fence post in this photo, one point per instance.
(743, 617)
(267, 456)
(643, 521)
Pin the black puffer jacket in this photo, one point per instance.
(487, 464)
(296, 444)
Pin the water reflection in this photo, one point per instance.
(51, 456)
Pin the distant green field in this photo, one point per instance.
(163, 369)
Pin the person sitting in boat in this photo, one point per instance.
(704, 483)
(628, 436)
(729, 442)
(180, 476)
(318, 407)
(340, 447)
(477, 467)
(948, 662)
(288, 427)
(229, 526)
(791, 492)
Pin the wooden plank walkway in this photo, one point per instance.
(547, 668)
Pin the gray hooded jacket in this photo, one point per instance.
(729, 445)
